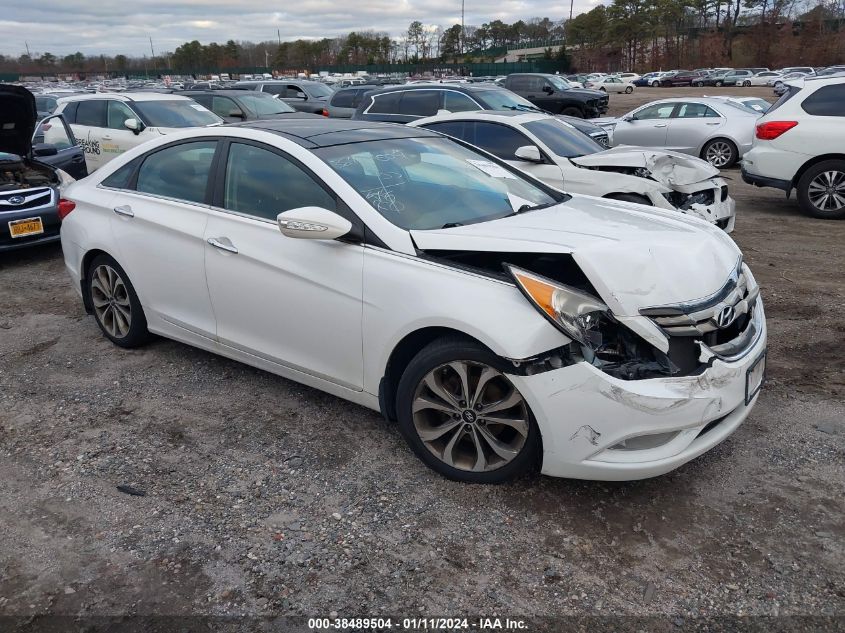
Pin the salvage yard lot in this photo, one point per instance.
(267, 497)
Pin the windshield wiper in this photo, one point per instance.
(536, 207)
(521, 106)
(451, 225)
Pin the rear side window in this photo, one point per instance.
(420, 103)
(275, 89)
(120, 178)
(263, 184)
(455, 129)
(344, 99)
(387, 103)
(499, 140)
(459, 102)
(695, 110)
(69, 112)
(826, 101)
(180, 171)
(92, 113)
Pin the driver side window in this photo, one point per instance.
(656, 111)
(262, 183)
(118, 112)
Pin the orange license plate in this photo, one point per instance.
(27, 226)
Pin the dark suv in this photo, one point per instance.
(236, 106)
(29, 186)
(300, 94)
(403, 104)
(554, 94)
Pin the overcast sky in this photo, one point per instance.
(108, 26)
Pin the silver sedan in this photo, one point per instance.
(713, 129)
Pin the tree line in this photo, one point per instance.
(621, 35)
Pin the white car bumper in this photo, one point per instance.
(582, 413)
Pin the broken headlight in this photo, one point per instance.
(598, 338)
(573, 312)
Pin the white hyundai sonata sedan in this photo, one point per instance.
(503, 323)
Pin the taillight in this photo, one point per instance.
(325, 112)
(770, 130)
(65, 207)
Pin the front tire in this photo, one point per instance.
(629, 90)
(115, 304)
(462, 416)
(746, 83)
(718, 84)
(720, 152)
(572, 111)
(821, 190)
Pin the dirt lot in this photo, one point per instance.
(266, 497)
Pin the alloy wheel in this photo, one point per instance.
(470, 416)
(827, 191)
(111, 301)
(719, 154)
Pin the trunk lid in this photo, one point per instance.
(17, 120)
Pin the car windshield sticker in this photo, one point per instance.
(491, 169)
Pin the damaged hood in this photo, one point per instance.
(668, 168)
(634, 258)
(17, 120)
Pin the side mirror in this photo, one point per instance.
(237, 113)
(628, 118)
(548, 89)
(45, 149)
(314, 223)
(441, 112)
(132, 124)
(529, 153)
(301, 95)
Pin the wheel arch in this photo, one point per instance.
(402, 354)
(83, 275)
(814, 161)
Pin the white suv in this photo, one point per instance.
(109, 124)
(800, 144)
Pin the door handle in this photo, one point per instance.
(125, 210)
(223, 246)
(714, 123)
(78, 158)
(660, 125)
(106, 137)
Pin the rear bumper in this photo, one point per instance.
(764, 181)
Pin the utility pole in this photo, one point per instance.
(28, 54)
(152, 51)
(463, 30)
(571, 5)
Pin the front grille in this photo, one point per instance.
(602, 139)
(684, 201)
(723, 322)
(723, 223)
(32, 199)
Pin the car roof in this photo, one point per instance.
(472, 88)
(321, 132)
(134, 96)
(233, 92)
(515, 116)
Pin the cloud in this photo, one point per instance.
(66, 26)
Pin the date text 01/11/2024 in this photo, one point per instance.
(417, 624)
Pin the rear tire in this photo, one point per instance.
(115, 304)
(720, 152)
(441, 402)
(572, 111)
(821, 190)
(718, 84)
(746, 83)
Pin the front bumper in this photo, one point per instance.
(583, 412)
(721, 211)
(50, 222)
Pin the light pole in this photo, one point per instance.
(463, 31)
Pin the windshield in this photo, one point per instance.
(263, 104)
(319, 91)
(505, 100)
(562, 139)
(175, 113)
(432, 183)
(559, 83)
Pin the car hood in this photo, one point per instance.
(587, 92)
(17, 120)
(667, 168)
(635, 257)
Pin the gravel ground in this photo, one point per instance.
(264, 497)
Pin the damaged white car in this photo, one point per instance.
(504, 324)
(556, 153)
